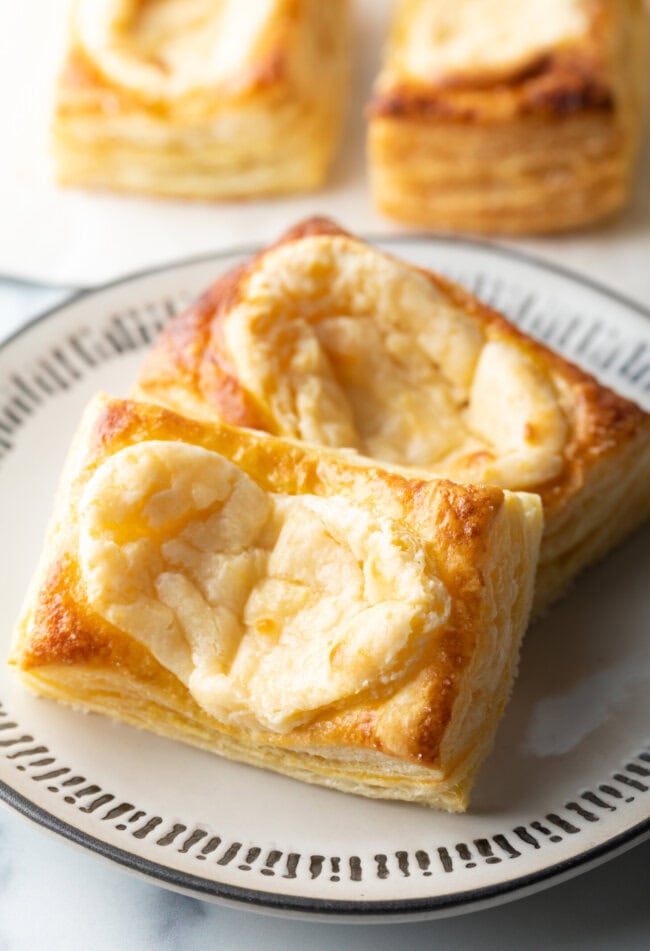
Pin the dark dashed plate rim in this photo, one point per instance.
(469, 900)
(255, 898)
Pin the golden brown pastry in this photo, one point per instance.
(281, 605)
(325, 339)
(201, 98)
(508, 115)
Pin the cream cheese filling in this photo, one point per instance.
(165, 49)
(346, 347)
(441, 39)
(268, 607)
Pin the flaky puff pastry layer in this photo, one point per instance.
(325, 339)
(507, 116)
(280, 604)
(201, 98)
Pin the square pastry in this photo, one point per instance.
(281, 604)
(201, 98)
(325, 339)
(508, 115)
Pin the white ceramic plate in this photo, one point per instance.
(567, 785)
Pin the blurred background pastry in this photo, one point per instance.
(202, 98)
(508, 116)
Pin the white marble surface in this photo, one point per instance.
(54, 896)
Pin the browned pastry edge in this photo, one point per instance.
(555, 84)
(191, 355)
